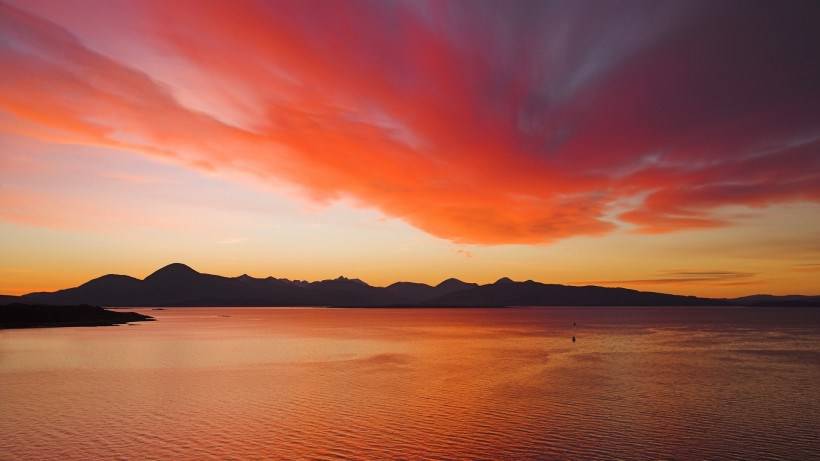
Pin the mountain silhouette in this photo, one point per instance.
(173, 272)
(450, 285)
(779, 301)
(179, 285)
(506, 292)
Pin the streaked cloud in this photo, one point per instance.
(806, 267)
(678, 277)
(482, 123)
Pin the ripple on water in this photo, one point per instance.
(358, 384)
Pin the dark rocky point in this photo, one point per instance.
(17, 315)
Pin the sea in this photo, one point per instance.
(524, 383)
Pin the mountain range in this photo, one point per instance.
(179, 285)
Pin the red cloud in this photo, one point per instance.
(478, 126)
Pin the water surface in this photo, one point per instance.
(642, 383)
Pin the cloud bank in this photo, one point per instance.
(477, 122)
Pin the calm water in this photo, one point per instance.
(676, 383)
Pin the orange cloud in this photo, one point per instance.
(449, 119)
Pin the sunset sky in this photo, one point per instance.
(665, 146)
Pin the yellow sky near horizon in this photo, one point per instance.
(772, 250)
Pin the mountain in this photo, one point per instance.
(418, 293)
(781, 301)
(450, 285)
(180, 285)
(506, 292)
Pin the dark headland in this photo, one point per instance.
(179, 285)
(17, 315)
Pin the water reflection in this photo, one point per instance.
(430, 383)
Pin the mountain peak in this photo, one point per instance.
(172, 270)
(503, 281)
(452, 285)
(342, 278)
(452, 282)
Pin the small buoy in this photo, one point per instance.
(573, 339)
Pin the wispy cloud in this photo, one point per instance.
(463, 252)
(806, 267)
(676, 277)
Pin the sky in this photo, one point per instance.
(657, 145)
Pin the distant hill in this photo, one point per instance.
(506, 292)
(781, 301)
(179, 285)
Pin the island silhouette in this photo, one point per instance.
(179, 285)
